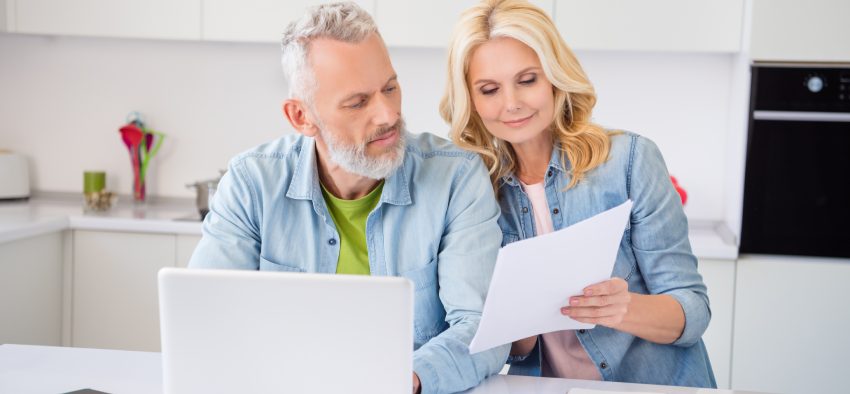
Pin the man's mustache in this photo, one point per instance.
(383, 131)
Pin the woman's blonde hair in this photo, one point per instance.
(584, 144)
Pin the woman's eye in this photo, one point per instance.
(488, 92)
(528, 81)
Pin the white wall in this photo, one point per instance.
(62, 100)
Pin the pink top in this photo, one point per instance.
(563, 355)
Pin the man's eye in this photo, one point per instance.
(358, 104)
(390, 89)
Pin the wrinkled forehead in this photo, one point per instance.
(344, 68)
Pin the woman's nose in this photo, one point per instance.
(512, 101)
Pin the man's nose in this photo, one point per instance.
(386, 111)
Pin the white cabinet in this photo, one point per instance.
(255, 20)
(5, 6)
(651, 25)
(174, 19)
(31, 291)
(185, 246)
(115, 303)
(640, 25)
(719, 277)
(793, 30)
(791, 325)
(418, 23)
(411, 23)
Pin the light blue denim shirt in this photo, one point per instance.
(435, 224)
(654, 258)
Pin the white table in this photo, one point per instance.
(28, 369)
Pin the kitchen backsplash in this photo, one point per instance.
(63, 99)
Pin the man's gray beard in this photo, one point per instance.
(353, 158)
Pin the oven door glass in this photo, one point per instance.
(797, 189)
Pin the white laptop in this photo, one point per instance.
(227, 331)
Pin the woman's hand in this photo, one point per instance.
(605, 303)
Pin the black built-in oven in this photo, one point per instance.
(797, 182)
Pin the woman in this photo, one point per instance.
(517, 95)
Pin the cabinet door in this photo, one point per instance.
(793, 30)
(115, 302)
(411, 23)
(255, 20)
(651, 25)
(185, 247)
(31, 291)
(5, 7)
(791, 325)
(719, 277)
(176, 19)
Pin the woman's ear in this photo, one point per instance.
(296, 113)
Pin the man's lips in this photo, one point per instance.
(386, 136)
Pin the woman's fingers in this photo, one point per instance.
(600, 300)
(611, 286)
(594, 312)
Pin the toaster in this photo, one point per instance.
(14, 176)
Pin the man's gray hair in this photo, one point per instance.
(344, 21)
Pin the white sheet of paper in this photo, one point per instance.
(535, 277)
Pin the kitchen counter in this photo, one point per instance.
(56, 212)
(42, 369)
(63, 211)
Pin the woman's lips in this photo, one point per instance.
(518, 122)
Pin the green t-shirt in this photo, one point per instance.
(350, 219)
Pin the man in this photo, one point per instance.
(355, 194)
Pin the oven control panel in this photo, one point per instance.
(822, 88)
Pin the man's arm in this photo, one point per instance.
(466, 260)
(231, 237)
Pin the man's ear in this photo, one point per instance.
(296, 113)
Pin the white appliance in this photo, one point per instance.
(14, 176)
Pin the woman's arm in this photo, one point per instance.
(655, 318)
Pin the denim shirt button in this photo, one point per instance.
(331, 242)
(603, 365)
(556, 211)
(549, 174)
(581, 331)
(524, 209)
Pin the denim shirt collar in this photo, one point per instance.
(305, 179)
(554, 165)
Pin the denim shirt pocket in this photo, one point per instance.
(268, 265)
(429, 314)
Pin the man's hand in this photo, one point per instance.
(417, 386)
(604, 303)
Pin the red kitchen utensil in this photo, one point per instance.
(143, 144)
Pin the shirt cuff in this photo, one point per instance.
(697, 316)
(428, 378)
